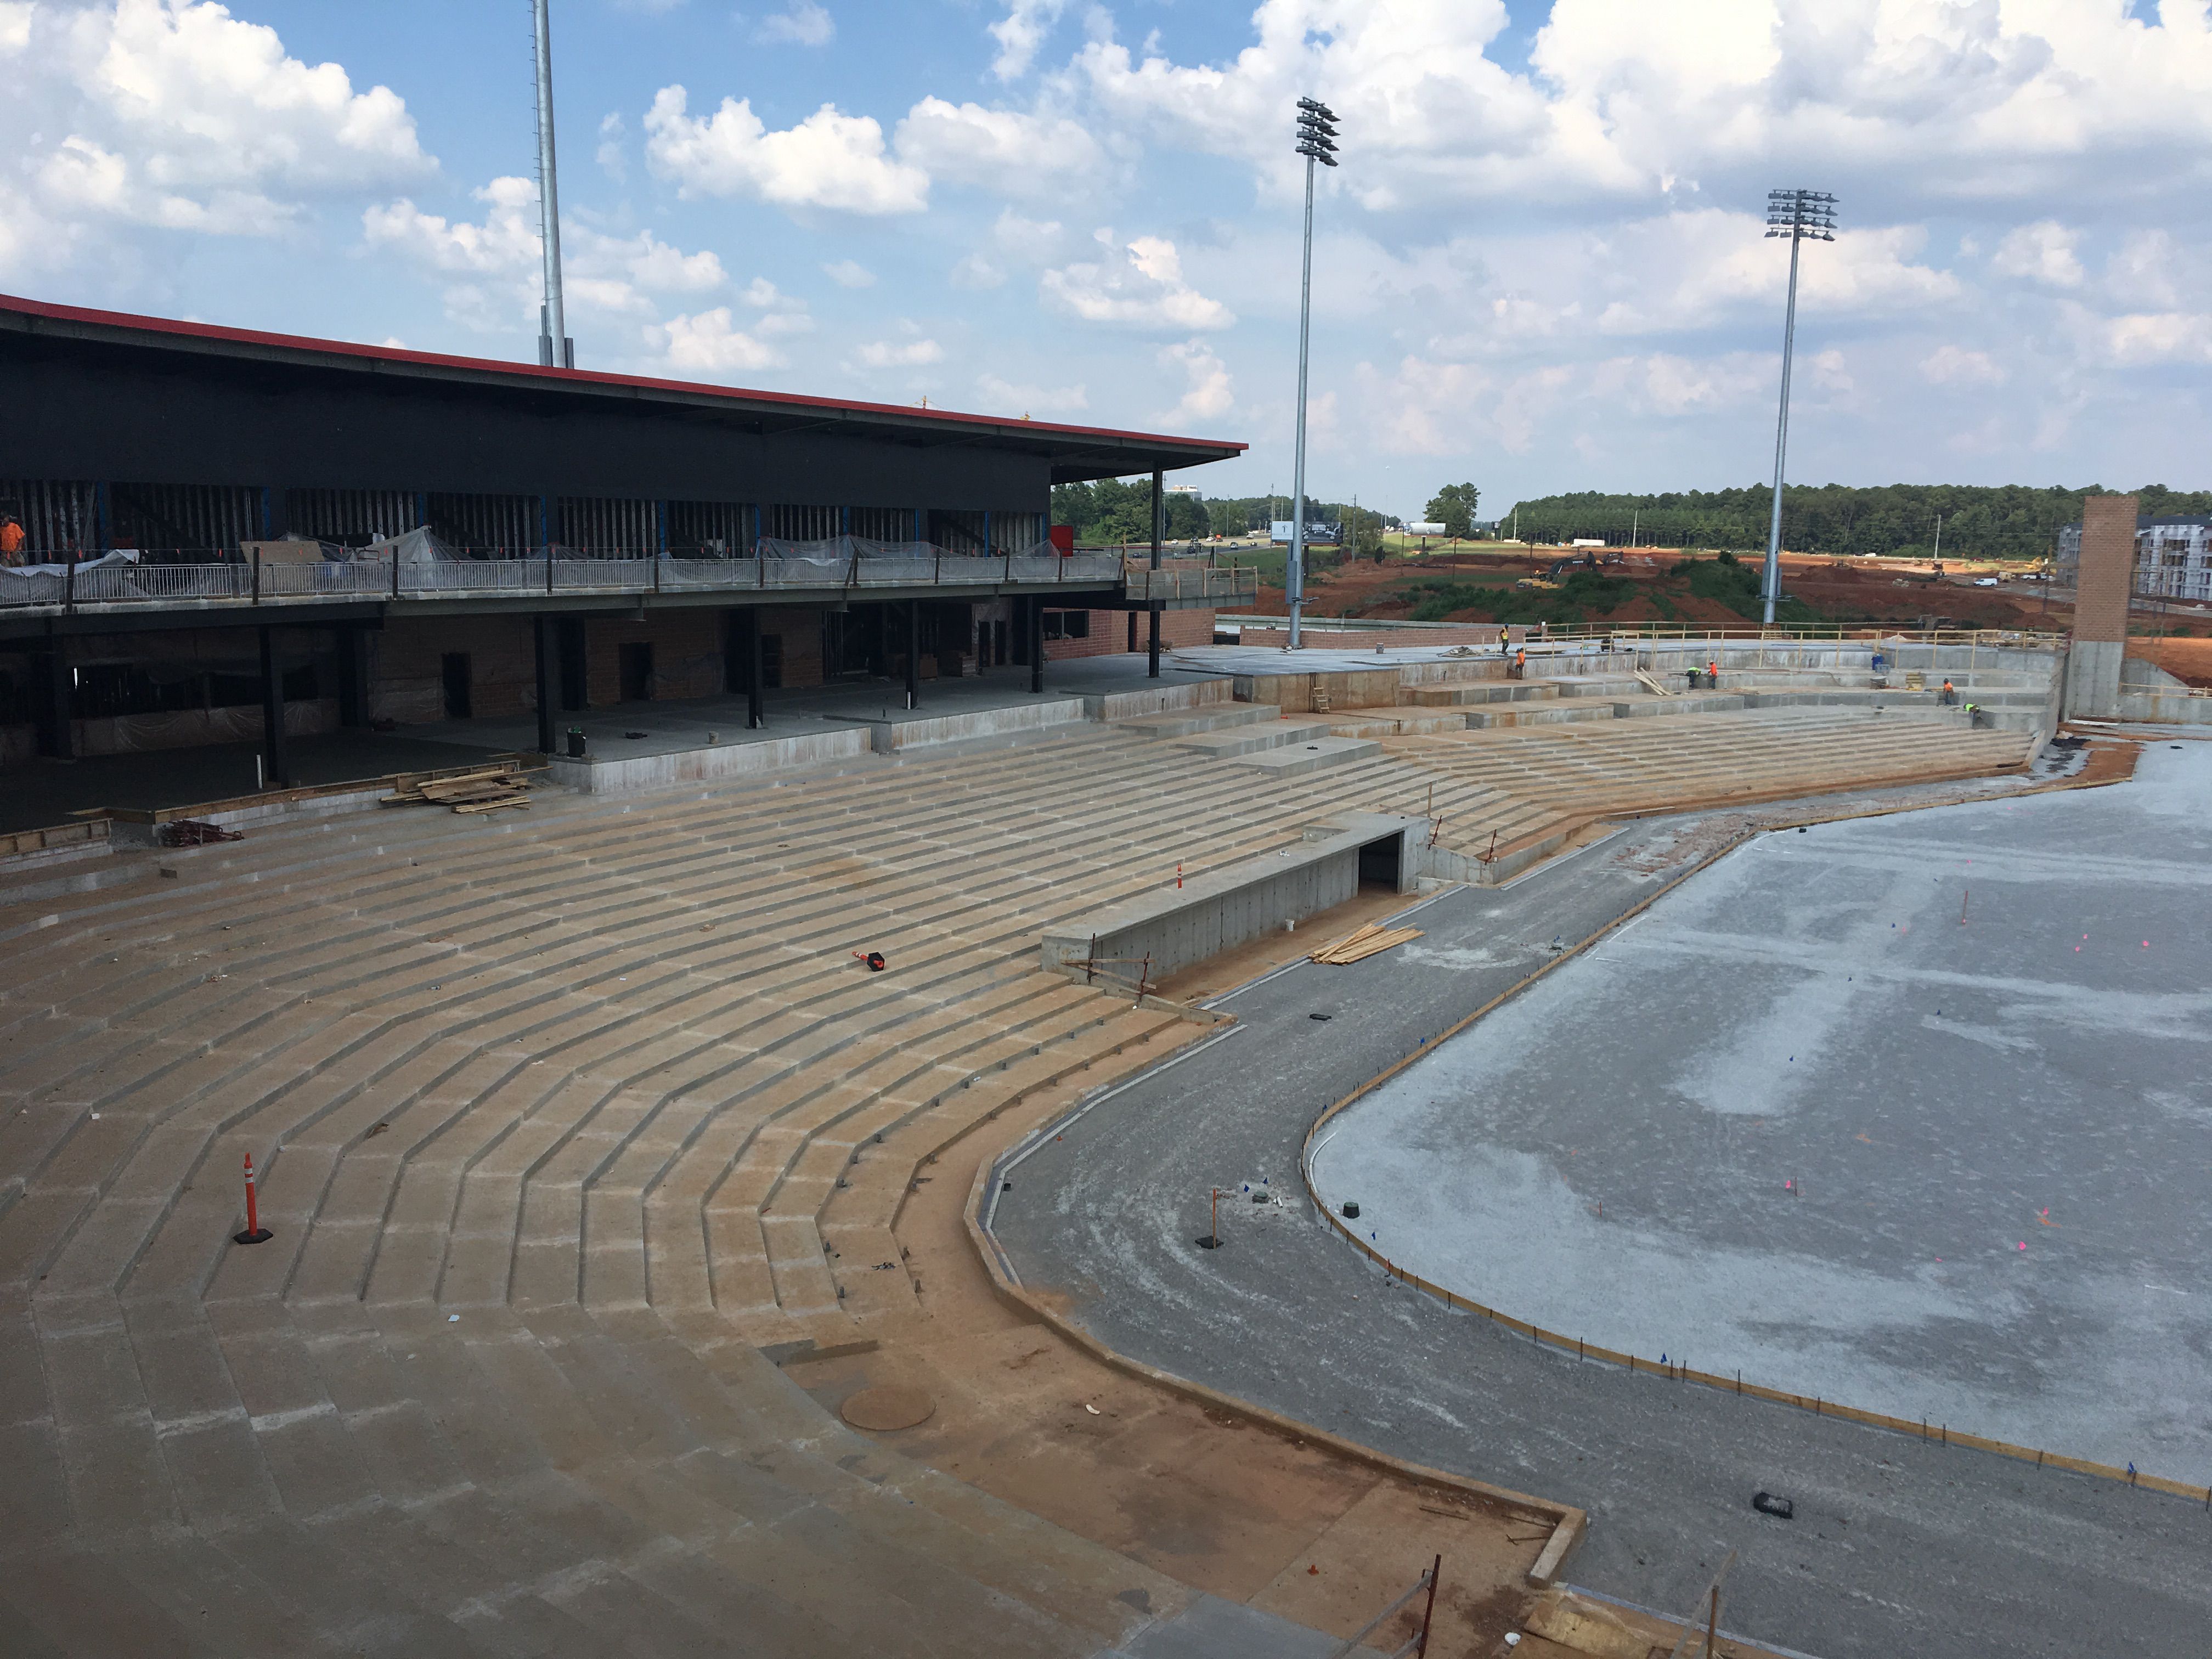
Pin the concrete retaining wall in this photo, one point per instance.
(2164, 709)
(1217, 911)
(1359, 688)
(892, 736)
(1127, 705)
(736, 760)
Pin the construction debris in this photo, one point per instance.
(1364, 942)
(469, 792)
(193, 832)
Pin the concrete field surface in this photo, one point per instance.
(1898, 1546)
(1911, 1114)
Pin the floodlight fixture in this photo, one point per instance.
(1316, 137)
(1802, 215)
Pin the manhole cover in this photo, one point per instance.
(884, 1409)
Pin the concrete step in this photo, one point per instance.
(1322, 752)
(1539, 713)
(1467, 694)
(1406, 723)
(1251, 738)
(1212, 717)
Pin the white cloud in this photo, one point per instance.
(803, 23)
(975, 272)
(172, 114)
(828, 160)
(1140, 284)
(499, 259)
(1020, 32)
(1210, 392)
(2041, 253)
(2164, 338)
(1870, 270)
(1033, 399)
(885, 354)
(1929, 101)
(1005, 151)
(850, 273)
(711, 343)
(1952, 365)
(507, 239)
(612, 158)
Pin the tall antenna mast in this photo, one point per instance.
(554, 346)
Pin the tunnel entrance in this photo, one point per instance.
(1381, 862)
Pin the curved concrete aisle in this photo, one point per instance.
(1898, 1546)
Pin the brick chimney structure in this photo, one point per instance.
(2100, 607)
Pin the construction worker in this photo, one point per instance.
(11, 540)
(1520, 663)
(1712, 673)
(1505, 640)
(1949, 695)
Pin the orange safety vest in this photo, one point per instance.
(11, 539)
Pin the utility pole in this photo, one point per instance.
(1939, 538)
(554, 346)
(1802, 215)
(1317, 136)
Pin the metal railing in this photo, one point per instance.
(257, 582)
(1189, 583)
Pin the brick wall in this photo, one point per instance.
(687, 653)
(406, 680)
(1109, 633)
(2108, 561)
(800, 631)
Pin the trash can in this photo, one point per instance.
(575, 743)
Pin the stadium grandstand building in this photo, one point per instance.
(216, 523)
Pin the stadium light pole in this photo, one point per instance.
(553, 344)
(1802, 215)
(1316, 143)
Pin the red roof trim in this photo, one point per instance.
(564, 376)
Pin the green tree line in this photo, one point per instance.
(1120, 510)
(2009, 521)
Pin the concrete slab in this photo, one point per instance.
(1212, 1628)
(1317, 754)
(1899, 1121)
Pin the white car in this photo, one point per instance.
(1985, 581)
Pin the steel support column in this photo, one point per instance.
(1153, 649)
(57, 731)
(542, 632)
(353, 679)
(1036, 645)
(276, 765)
(912, 653)
(756, 715)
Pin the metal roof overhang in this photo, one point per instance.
(1075, 453)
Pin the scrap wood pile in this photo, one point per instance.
(468, 792)
(1364, 942)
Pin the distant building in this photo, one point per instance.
(2174, 558)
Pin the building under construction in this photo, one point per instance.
(220, 525)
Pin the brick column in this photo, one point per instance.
(2100, 607)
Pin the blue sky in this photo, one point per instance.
(1540, 268)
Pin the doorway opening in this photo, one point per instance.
(635, 661)
(454, 671)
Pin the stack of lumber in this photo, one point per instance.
(468, 792)
(1364, 942)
